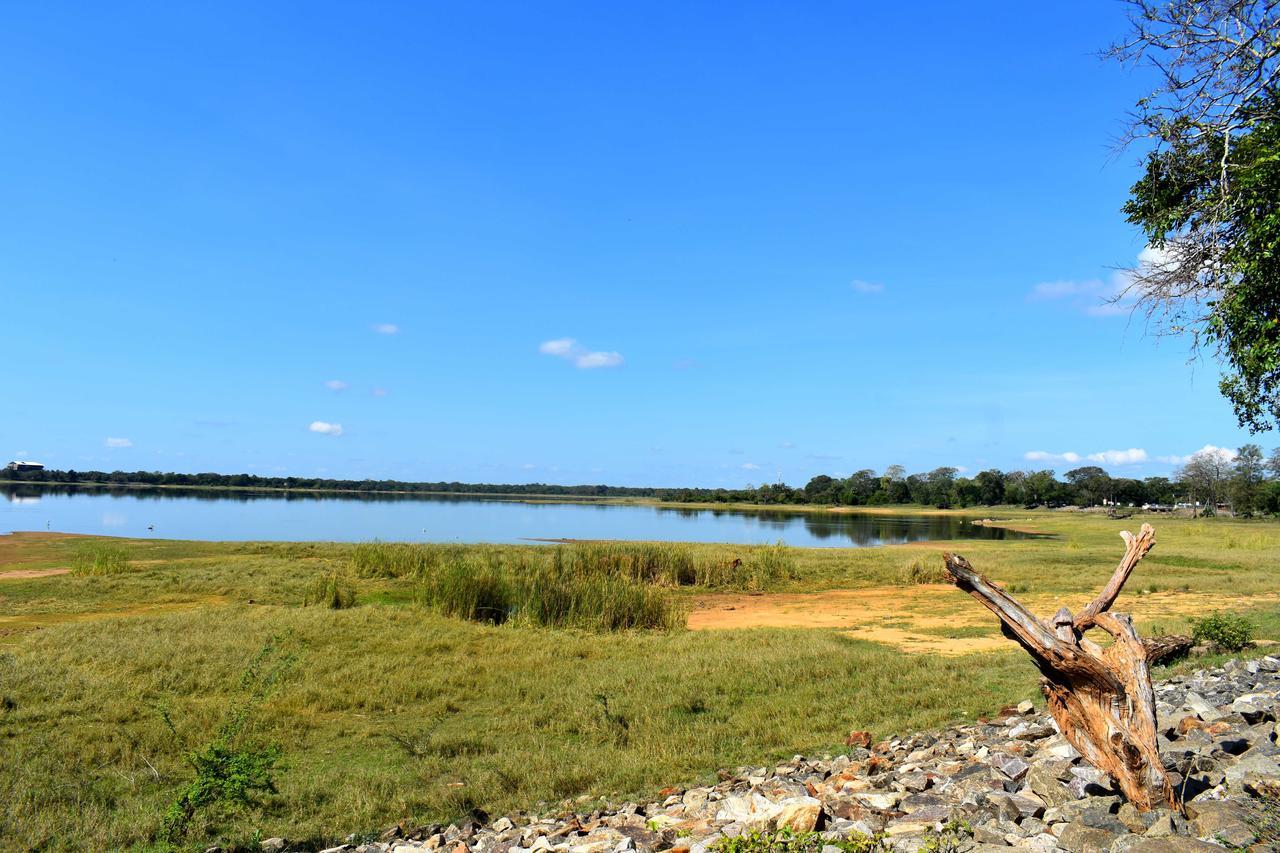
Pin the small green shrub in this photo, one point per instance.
(923, 569)
(95, 560)
(229, 771)
(332, 590)
(1222, 631)
(788, 841)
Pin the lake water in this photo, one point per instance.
(247, 515)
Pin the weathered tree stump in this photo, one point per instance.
(1101, 698)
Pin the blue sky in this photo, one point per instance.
(648, 244)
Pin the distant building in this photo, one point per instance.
(24, 466)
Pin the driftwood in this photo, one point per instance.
(1167, 647)
(1101, 698)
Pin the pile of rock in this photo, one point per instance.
(1009, 782)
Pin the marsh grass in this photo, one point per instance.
(331, 589)
(500, 588)
(925, 568)
(97, 559)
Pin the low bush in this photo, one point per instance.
(332, 590)
(1222, 631)
(93, 560)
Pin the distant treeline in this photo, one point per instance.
(1245, 480)
(252, 481)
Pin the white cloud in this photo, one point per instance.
(21, 454)
(380, 392)
(336, 385)
(118, 442)
(787, 445)
(386, 328)
(528, 466)
(598, 359)
(1226, 454)
(1100, 297)
(750, 466)
(1045, 456)
(325, 428)
(1132, 456)
(571, 350)
(962, 469)
(860, 286)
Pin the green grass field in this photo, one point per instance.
(395, 710)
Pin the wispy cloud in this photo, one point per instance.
(326, 428)
(21, 454)
(787, 445)
(1132, 456)
(1099, 297)
(1226, 454)
(860, 286)
(750, 466)
(386, 328)
(823, 457)
(570, 350)
(118, 442)
(380, 392)
(336, 385)
(1045, 456)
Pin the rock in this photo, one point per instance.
(273, 845)
(1250, 767)
(1219, 820)
(1201, 707)
(858, 738)
(752, 811)
(1079, 838)
(1046, 786)
(1010, 765)
(1014, 807)
(1026, 706)
(1174, 845)
(878, 800)
(799, 814)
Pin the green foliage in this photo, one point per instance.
(503, 586)
(925, 568)
(100, 559)
(1196, 190)
(228, 771)
(331, 589)
(952, 838)
(788, 841)
(1222, 631)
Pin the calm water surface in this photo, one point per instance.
(247, 515)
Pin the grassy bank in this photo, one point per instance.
(397, 709)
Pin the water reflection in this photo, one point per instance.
(296, 516)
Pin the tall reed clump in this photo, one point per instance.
(501, 587)
(399, 559)
(926, 568)
(332, 590)
(97, 559)
(766, 566)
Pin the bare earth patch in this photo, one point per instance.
(23, 574)
(918, 618)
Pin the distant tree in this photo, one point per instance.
(1041, 488)
(1273, 463)
(821, 489)
(942, 486)
(1092, 485)
(1246, 485)
(1209, 198)
(1204, 475)
(991, 486)
(1159, 490)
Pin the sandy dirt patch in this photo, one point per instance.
(23, 574)
(925, 618)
